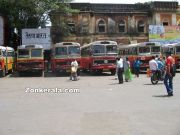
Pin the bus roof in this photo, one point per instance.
(2, 48)
(6, 48)
(128, 46)
(106, 42)
(35, 46)
(10, 48)
(66, 44)
(149, 44)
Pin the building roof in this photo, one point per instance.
(119, 8)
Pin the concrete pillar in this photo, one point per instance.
(158, 19)
(174, 19)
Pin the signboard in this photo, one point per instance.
(164, 34)
(37, 36)
(1, 31)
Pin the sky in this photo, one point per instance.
(120, 1)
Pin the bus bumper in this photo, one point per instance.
(103, 68)
(30, 69)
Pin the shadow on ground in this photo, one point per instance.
(160, 96)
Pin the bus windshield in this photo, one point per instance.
(98, 49)
(155, 50)
(61, 51)
(111, 49)
(74, 50)
(36, 53)
(144, 50)
(178, 50)
(23, 53)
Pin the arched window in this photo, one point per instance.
(165, 22)
(71, 26)
(141, 26)
(121, 26)
(101, 26)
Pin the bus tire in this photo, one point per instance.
(41, 73)
(2, 73)
(20, 73)
(11, 71)
(113, 72)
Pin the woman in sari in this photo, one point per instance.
(127, 70)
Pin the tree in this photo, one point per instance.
(30, 13)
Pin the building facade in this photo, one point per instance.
(124, 23)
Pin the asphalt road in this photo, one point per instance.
(97, 106)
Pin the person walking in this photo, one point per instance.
(127, 70)
(74, 68)
(160, 69)
(168, 80)
(116, 74)
(120, 70)
(136, 67)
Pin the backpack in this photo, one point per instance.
(173, 70)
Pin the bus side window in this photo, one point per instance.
(4, 53)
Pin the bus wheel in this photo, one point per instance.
(11, 71)
(21, 74)
(113, 72)
(41, 73)
(3, 73)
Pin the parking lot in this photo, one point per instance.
(93, 105)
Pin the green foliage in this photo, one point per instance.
(30, 13)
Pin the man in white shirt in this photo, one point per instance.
(120, 70)
(74, 68)
(153, 64)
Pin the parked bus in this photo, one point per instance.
(129, 51)
(6, 60)
(63, 54)
(99, 56)
(144, 51)
(30, 58)
(175, 51)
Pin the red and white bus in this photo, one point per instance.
(175, 50)
(63, 54)
(99, 56)
(129, 51)
(144, 51)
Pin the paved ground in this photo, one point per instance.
(102, 107)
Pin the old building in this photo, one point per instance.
(124, 23)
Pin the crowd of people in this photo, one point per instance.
(164, 67)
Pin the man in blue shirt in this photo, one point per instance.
(160, 68)
(136, 67)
